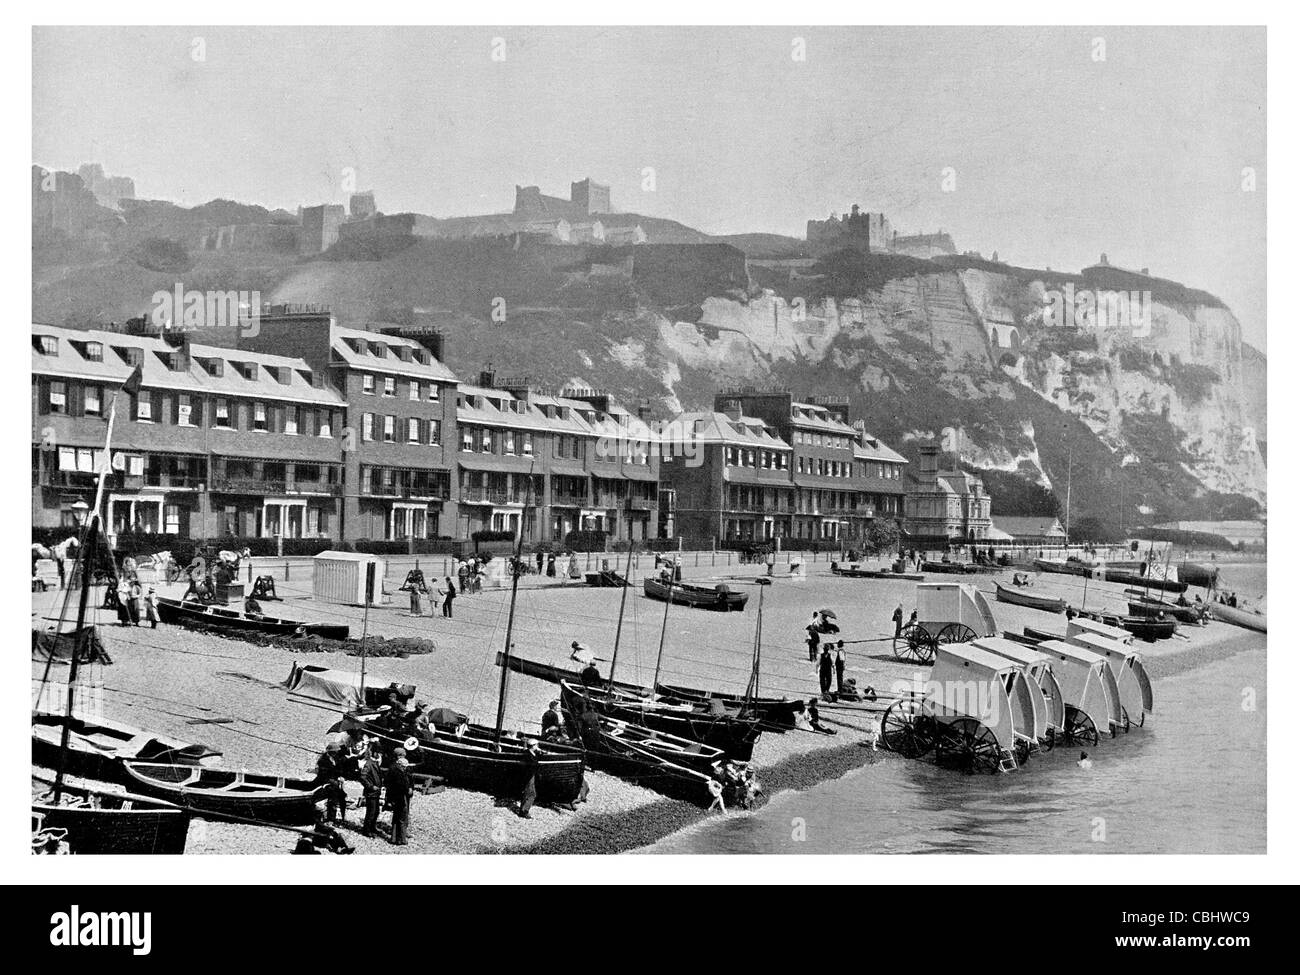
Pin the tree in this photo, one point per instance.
(882, 536)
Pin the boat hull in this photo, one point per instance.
(218, 619)
(697, 597)
(733, 736)
(1239, 617)
(97, 746)
(1045, 604)
(223, 793)
(120, 824)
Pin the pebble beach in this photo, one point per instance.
(228, 693)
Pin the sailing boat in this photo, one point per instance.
(478, 757)
(707, 723)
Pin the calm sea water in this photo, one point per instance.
(1191, 781)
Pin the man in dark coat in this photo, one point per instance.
(814, 638)
(448, 598)
(898, 619)
(552, 722)
(825, 668)
(331, 769)
(531, 761)
(839, 669)
(398, 785)
(590, 676)
(372, 784)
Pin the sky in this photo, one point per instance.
(1049, 146)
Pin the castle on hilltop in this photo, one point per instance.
(872, 233)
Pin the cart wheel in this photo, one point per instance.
(956, 633)
(914, 644)
(1124, 721)
(968, 745)
(1079, 728)
(905, 728)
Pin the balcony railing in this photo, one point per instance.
(174, 482)
(274, 485)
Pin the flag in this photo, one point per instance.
(134, 381)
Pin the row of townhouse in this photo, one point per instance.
(303, 428)
(765, 465)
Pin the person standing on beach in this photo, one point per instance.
(839, 669)
(824, 668)
(372, 784)
(151, 608)
(448, 598)
(398, 785)
(898, 619)
(531, 760)
(814, 638)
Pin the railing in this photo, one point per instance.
(642, 504)
(176, 482)
(577, 500)
(263, 485)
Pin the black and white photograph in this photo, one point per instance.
(676, 440)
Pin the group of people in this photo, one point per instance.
(441, 600)
(365, 764)
(135, 607)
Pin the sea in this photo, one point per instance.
(1193, 780)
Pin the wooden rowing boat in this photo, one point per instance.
(733, 735)
(225, 793)
(718, 598)
(97, 745)
(1139, 581)
(949, 568)
(1018, 597)
(202, 616)
(668, 765)
(1062, 567)
(1239, 617)
(857, 572)
(98, 821)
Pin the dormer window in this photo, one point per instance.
(215, 367)
(130, 355)
(250, 371)
(94, 352)
(284, 374)
(378, 349)
(47, 345)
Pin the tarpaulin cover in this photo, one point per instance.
(338, 690)
(46, 644)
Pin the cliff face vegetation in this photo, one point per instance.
(1159, 421)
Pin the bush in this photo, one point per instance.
(585, 541)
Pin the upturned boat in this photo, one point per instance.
(226, 793)
(1239, 617)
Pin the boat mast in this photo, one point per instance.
(627, 583)
(514, 592)
(751, 689)
(86, 561)
(668, 601)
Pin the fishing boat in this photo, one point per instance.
(1138, 580)
(96, 821)
(202, 616)
(96, 746)
(1192, 615)
(710, 725)
(470, 756)
(719, 598)
(225, 793)
(671, 766)
(1066, 567)
(1239, 617)
(1018, 597)
(949, 568)
(1149, 628)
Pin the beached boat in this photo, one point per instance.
(97, 821)
(949, 568)
(719, 598)
(1198, 574)
(1239, 617)
(1139, 581)
(1065, 567)
(668, 765)
(707, 724)
(775, 714)
(226, 793)
(1018, 597)
(97, 745)
(202, 616)
(1191, 615)
(471, 757)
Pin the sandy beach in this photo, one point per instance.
(228, 693)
